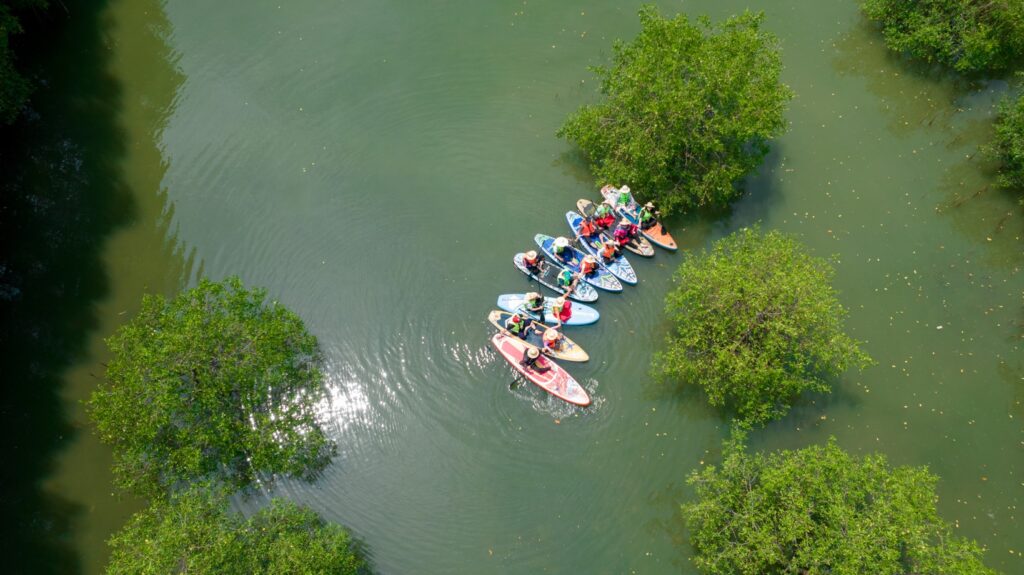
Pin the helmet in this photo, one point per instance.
(561, 241)
(551, 334)
(532, 353)
(531, 255)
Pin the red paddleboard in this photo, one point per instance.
(555, 381)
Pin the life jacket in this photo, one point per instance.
(587, 228)
(564, 312)
(531, 263)
(514, 326)
(645, 215)
(608, 251)
(535, 304)
(621, 234)
(603, 210)
(565, 278)
(623, 199)
(587, 267)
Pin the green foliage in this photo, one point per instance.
(756, 322)
(212, 384)
(14, 89)
(195, 533)
(689, 109)
(1007, 147)
(821, 511)
(966, 35)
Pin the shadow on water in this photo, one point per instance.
(62, 196)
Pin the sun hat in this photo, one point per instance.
(561, 241)
(531, 255)
(551, 334)
(532, 352)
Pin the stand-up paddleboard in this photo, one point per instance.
(583, 292)
(657, 234)
(581, 314)
(567, 349)
(555, 380)
(639, 245)
(601, 277)
(619, 267)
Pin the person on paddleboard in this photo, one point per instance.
(623, 199)
(604, 216)
(588, 265)
(533, 360)
(625, 232)
(648, 216)
(609, 251)
(553, 339)
(520, 326)
(534, 304)
(562, 310)
(567, 280)
(533, 262)
(588, 228)
(561, 248)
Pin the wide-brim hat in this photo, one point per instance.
(531, 255)
(624, 189)
(532, 352)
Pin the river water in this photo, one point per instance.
(376, 165)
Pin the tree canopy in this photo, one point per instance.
(966, 35)
(194, 532)
(1007, 147)
(688, 109)
(755, 322)
(215, 383)
(821, 511)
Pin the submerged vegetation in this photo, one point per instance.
(755, 322)
(969, 36)
(194, 532)
(688, 110)
(821, 510)
(214, 384)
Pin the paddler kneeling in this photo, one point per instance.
(520, 326)
(533, 360)
(625, 232)
(623, 199)
(588, 228)
(588, 265)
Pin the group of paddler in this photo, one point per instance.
(573, 268)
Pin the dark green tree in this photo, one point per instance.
(194, 533)
(821, 511)
(966, 35)
(14, 88)
(215, 383)
(1007, 147)
(754, 323)
(688, 109)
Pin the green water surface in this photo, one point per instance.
(376, 164)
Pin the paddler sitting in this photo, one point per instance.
(533, 262)
(625, 232)
(562, 310)
(609, 251)
(567, 280)
(623, 199)
(561, 248)
(648, 216)
(588, 265)
(533, 360)
(553, 339)
(533, 303)
(520, 326)
(604, 216)
(588, 228)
